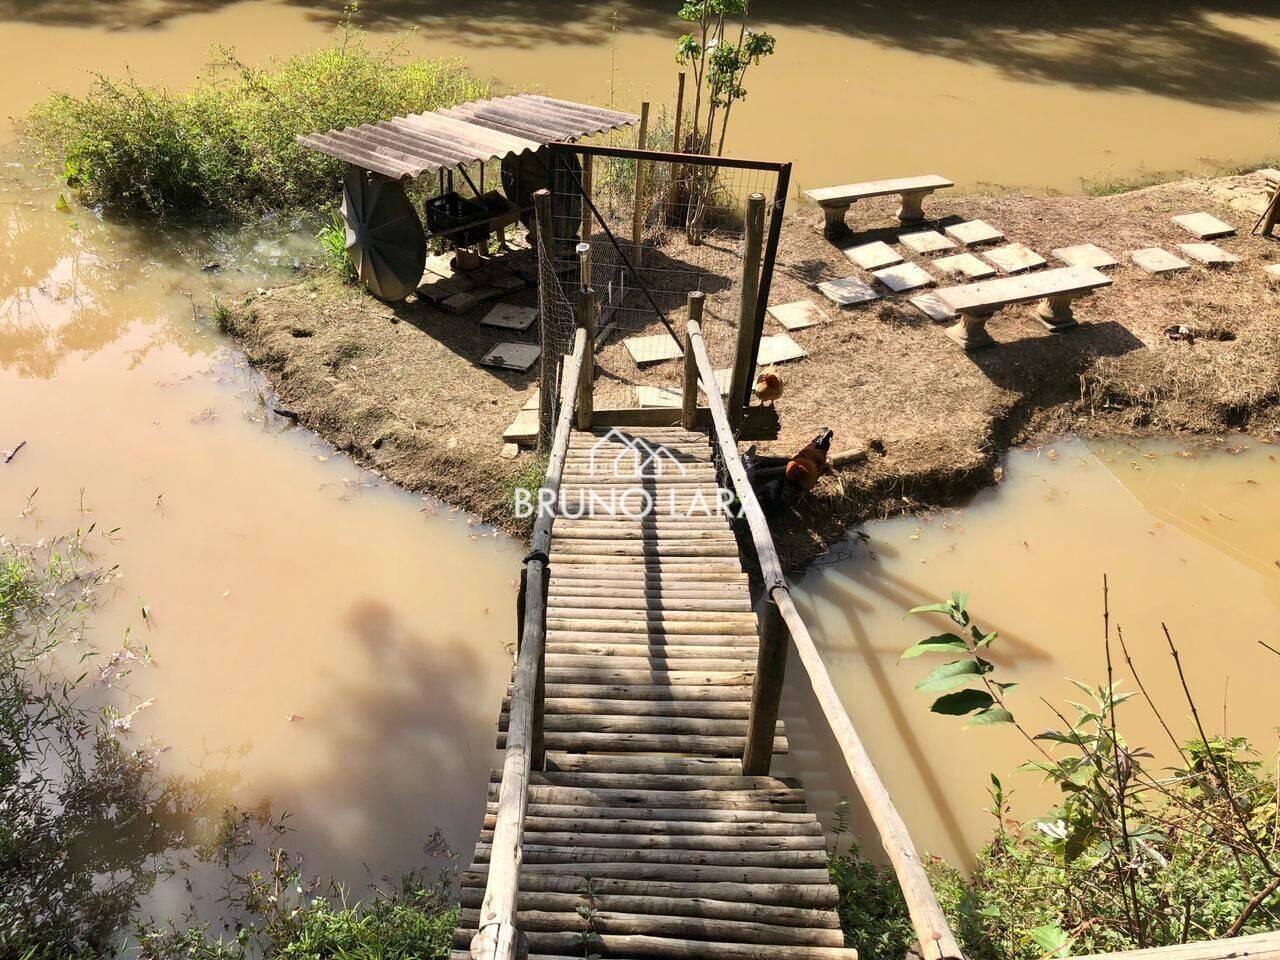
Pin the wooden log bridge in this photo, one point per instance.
(635, 816)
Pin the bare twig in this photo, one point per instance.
(1133, 670)
(10, 454)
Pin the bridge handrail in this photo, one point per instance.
(498, 936)
(936, 939)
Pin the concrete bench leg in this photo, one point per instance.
(1055, 313)
(835, 219)
(970, 331)
(912, 209)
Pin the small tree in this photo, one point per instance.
(719, 66)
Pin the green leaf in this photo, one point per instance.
(940, 643)
(932, 608)
(1051, 938)
(989, 716)
(961, 702)
(953, 674)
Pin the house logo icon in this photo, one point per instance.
(622, 455)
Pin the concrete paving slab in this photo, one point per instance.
(797, 315)
(905, 276)
(926, 241)
(1204, 225)
(973, 232)
(965, 265)
(933, 307)
(1157, 261)
(512, 356)
(1014, 257)
(848, 291)
(645, 350)
(873, 256)
(778, 348)
(1086, 255)
(510, 317)
(1210, 254)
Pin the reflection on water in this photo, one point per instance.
(319, 639)
(1187, 538)
(1076, 91)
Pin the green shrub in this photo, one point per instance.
(229, 144)
(333, 244)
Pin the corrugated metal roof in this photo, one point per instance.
(407, 147)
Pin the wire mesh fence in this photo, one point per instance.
(658, 226)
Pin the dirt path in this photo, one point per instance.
(397, 388)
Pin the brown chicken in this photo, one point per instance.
(768, 387)
(807, 467)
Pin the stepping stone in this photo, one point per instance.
(797, 315)
(658, 397)
(439, 264)
(1086, 255)
(778, 348)
(510, 317)
(512, 356)
(653, 349)
(1272, 270)
(1209, 254)
(1015, 257)
(1156, 260)
(873, 256)
(974, 232)
(1204, 226)
(965, 265)
(848, 292)
(524, 428)
(905, 276)
(933, 307)
(927, 241)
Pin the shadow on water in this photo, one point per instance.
(1172, 48)
(406, 755)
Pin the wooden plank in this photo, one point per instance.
(646, 723)
(666, 948)
(536, 853)
(811, 829)
(605, 921)
(725, 710)
(677, 871)
(808, 895)
(605, 763)
(630, 841)
(689, 906)
(711, 814)
(650, 743)
(723, 693)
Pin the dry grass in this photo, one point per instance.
(398, 388)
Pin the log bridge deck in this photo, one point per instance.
(651, 652)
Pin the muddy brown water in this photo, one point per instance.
(1000, 95)
(337, 646)
(1186, 537)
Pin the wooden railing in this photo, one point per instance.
(781, 619)
(498, 937)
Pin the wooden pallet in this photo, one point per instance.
(650, 656)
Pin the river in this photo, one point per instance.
(340, 646)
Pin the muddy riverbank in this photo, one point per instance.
(398, 388)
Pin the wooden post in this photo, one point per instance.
(587, 175)
(689, 395)
(766, 691)
(637, 212)
(675, 136)
(549, 357)
(744, 358)
(587, 320)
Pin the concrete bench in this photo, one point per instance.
(976, 302)
(835, 201)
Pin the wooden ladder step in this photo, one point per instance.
(702, 907)
(818, 895)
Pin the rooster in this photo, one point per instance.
(801, 473)
(768, 387)
(807, 466)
